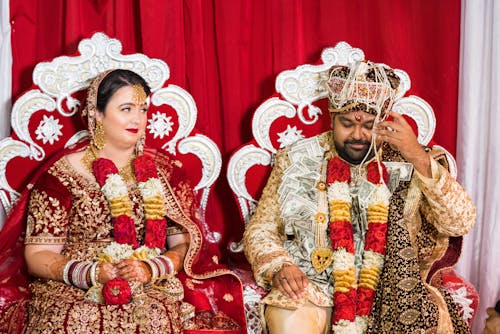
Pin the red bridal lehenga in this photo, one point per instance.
(62, 206)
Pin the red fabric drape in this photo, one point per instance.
(227, 54)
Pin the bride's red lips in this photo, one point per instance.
(133, 130)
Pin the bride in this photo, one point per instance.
(110, 224)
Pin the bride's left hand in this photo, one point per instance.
(133, 271)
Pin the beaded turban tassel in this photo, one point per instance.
(362, 86)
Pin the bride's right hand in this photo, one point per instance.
(107, 271)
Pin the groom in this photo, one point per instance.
(356, 224)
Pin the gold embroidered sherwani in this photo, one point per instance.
(423, 214)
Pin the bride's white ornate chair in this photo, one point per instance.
(294, 113)
(46, 118)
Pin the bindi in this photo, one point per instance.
(358, 117)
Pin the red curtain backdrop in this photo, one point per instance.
(227, 54)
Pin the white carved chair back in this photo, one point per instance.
(46, 118)
(296, 113)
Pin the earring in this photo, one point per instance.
(98, 139)
(139, 146)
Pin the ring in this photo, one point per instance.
(283, 279)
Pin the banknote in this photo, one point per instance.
(405, 169)
(296, 155)
(394, 180)
(298, 179)
(312, 163)
(289, 185)
(297, 207)
(295, 169)
(310, 176)
(305, 148)
(365, 190)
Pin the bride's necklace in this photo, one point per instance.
(92, 153)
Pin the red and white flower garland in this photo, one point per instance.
(353, 299)
(125, 244)
(116, 192)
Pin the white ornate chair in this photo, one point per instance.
(46, 118)
(292, 114)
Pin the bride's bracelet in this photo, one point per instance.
(167, 265)
(153, 269)
(76, 273)
(160, 266)
(94, 273)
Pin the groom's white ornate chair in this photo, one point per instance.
(46, 118)
(294, 113)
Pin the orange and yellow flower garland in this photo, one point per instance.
(353, 299)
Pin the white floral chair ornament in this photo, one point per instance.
(294, 113)
(46, 118)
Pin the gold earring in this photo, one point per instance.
(98, 139)
(139, 146)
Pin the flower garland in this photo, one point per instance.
(116, 192)
(116, 292)
(353, 299)
(154, 208)
(125, 244)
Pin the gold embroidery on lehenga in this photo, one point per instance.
(176, 213)
(46, 220)
(228, 297)
(84, 318)
(184, 194)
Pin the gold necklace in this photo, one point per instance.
(92, 153)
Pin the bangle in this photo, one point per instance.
(168, 265)
(66, 271)
(94, 273)
(160, 266)
(153, 269)
(78, 274)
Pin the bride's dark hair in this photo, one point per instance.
(115, 80)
